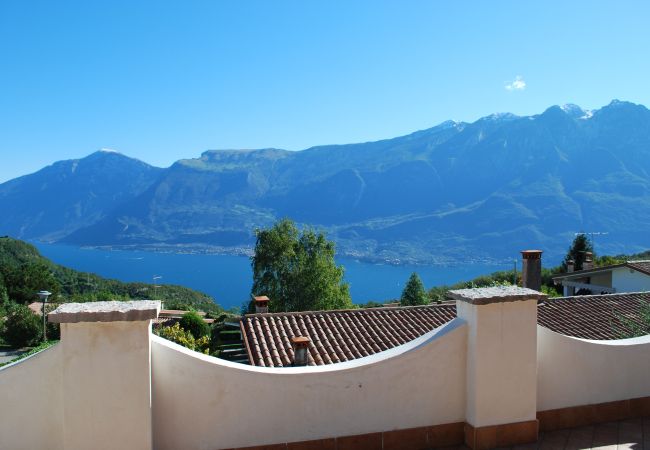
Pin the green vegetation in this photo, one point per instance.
(22, 328)
(296, 270)
(618, 259)
(24, 271)
(414, 293)
(629, 328)
(40, 347)
(176, 333)
(194, 323)
(577, 252)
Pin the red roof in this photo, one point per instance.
(339, 335)
(343, 335)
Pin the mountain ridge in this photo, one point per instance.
(455, 191)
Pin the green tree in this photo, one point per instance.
(22, 327)
(192, 322)
(577, 252)
(297, 271)
(24, 281)
(414, 293)
(4, 297)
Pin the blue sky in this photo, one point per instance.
(162, 81)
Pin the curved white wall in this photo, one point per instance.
(201, 402)
(31, 402)
(575, 372)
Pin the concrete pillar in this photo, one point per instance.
(501, 397)
(531, 269)
(106, 374)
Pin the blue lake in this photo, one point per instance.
(228, 279)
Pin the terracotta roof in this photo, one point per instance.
(339, 335)
(641, 266)
(343, 335)
(592, 316)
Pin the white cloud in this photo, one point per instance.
(517, 85)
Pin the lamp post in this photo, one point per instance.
(43, 295)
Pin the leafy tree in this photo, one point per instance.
(192, 322)
(414, 293)
(297, 271)
(24, 281)
(4, 297)
(22, 327)
(577, 252)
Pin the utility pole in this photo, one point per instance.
(155, 286)
(43, 295)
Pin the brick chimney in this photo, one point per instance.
(531, 268)
(589, 261)
(570, 266)
(261, 303)
(300, 346)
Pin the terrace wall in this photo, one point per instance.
(111, 384)
(202, 402)
(31, 402)
(575, 372)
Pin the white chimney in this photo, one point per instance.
(300, 346)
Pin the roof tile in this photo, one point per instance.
(343, 335)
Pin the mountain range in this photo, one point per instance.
(457, 192)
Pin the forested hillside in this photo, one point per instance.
(24, 271)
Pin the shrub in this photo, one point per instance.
(22, 327)
(177, 334)
(194, 323)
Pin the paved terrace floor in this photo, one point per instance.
(633, 434)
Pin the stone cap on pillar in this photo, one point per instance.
(496, 294)
(128, 311)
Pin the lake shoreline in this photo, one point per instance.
(183, 249)
(227, 278)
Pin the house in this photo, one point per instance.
(630, 276)
(344, 335)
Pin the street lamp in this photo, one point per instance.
(43, 295)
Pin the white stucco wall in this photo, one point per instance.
(501, 362)
(625, 280)
(106, 385)
(201, 402)
(31, 402)
(575, 372)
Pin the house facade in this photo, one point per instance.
(631, 276)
